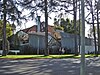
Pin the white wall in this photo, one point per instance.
(89, 49)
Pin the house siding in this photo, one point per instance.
(33, 41)
(68, 41)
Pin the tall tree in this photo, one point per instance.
(91, 6)
(11, 13)
(67, 25)
(9, 29)
(46, 29)
(98, 29)
(4, 29)
(75, 18)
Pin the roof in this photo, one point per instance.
(30, 29)
(34, 29)
(37, 33)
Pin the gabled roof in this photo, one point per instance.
(30, 29)
(34, 29)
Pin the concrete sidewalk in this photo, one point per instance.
(46, 67)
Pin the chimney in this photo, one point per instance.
(38, 23)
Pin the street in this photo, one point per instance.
(69, 66)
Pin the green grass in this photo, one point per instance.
(43, 57)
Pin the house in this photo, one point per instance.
(56, 40)
(37, 43)
(23, 34)
(36, 40)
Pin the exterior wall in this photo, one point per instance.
(36, 41)
(89, 49)
(88, 42)
(67, 41)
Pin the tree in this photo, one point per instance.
(98, 29)
(9, 32)
(46, 29)
(4, 29)
(67, 25)
(9, 29)
(33, 6)
(92, 8)
(9, 12)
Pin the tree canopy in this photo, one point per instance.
(35, 7)
(9, 29)
(67, 25)
(13, 11)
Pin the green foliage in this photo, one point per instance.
(67, 25)
(59, 28)
(13, 11)
(9, 31)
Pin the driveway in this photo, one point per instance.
(48, 67)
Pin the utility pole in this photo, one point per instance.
(46, 30)
(82, 66)
(4, 29)
(38, 30)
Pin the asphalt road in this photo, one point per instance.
(48, 67)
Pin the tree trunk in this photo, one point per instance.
(46, 30)
(4, 30)
(75, 15)
(98, 31)
(79, 27)
(94, 30)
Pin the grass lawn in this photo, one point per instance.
(42, 56)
